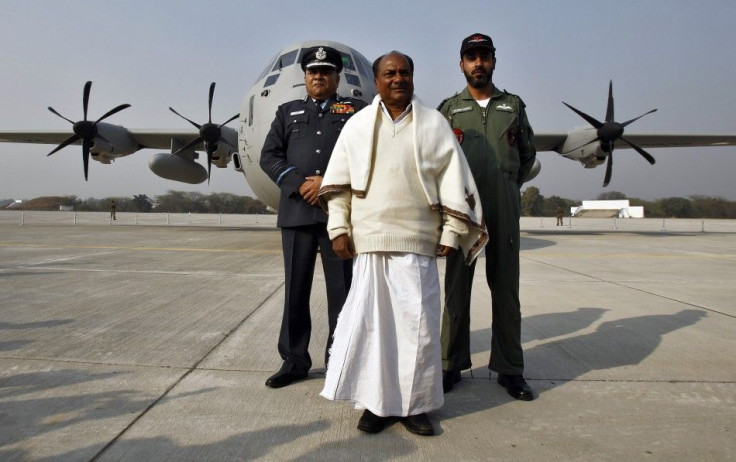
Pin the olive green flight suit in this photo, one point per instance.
(499, 145)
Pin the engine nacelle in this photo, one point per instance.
(536, 168)
(593, 161)
(173, 167)
(121, 143)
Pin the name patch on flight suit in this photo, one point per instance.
(297, 112)
(461, 109)
(342, 108)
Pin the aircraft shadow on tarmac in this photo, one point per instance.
(617, 343)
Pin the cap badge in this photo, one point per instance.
(321, 54)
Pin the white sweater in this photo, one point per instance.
(393, 216)
(402, 187)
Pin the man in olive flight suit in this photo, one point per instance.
(295, 156)
(493, 130)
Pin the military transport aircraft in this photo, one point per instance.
(283, 80)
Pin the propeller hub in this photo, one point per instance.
(610, 131)
(210, 132)
(85, 129)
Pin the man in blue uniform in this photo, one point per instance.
(295, 156)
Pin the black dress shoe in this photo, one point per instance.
(449, 379)
(418, 424)
(283, 378)
(516, 386)
(371, 423)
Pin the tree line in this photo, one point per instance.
(534, 204)
(171, 202)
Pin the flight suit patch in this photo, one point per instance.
(461, 109)
(459, 134)
(512, 136)
(505, 108)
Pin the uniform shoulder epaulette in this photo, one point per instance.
(446, 100)
(521, 101)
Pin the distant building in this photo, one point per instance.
(66, 208)
(13, 204)
(607, 209)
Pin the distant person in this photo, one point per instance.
(559, 213)
(113, 208)
(295, 155)
(399, 193)
(493, 130)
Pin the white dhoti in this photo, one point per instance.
(386, 354)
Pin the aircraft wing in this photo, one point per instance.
(547, 141)
(154, 139)
(554, 141)
(676, 140)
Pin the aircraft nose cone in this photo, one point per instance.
(610, 131)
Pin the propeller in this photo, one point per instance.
(209, 134)
(610, 131)
(85, 130)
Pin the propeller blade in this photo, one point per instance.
(643, 153)
(212, 92)
(609, 169)
(67, 142)
(54, 112)
(637, 118)
(609, 107)
(209, 165)
(229, 120)
(111, 112)
(187, 146)
(193, 123)
(585, 116)
(86, 144)
(85, 97)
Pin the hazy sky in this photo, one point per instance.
(677, 56)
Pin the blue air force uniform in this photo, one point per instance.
(299, 145)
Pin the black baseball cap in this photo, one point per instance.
(322, 56)
(476, 41)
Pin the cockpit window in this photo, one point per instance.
(271, 80)
(347, 61)
(287, 59)
(361, 68)
(364, 66)
(266, 69)
(352, 79)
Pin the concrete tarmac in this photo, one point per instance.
(142, 340)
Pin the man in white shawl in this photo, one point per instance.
(399, 193)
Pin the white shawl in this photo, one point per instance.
(443, 170)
